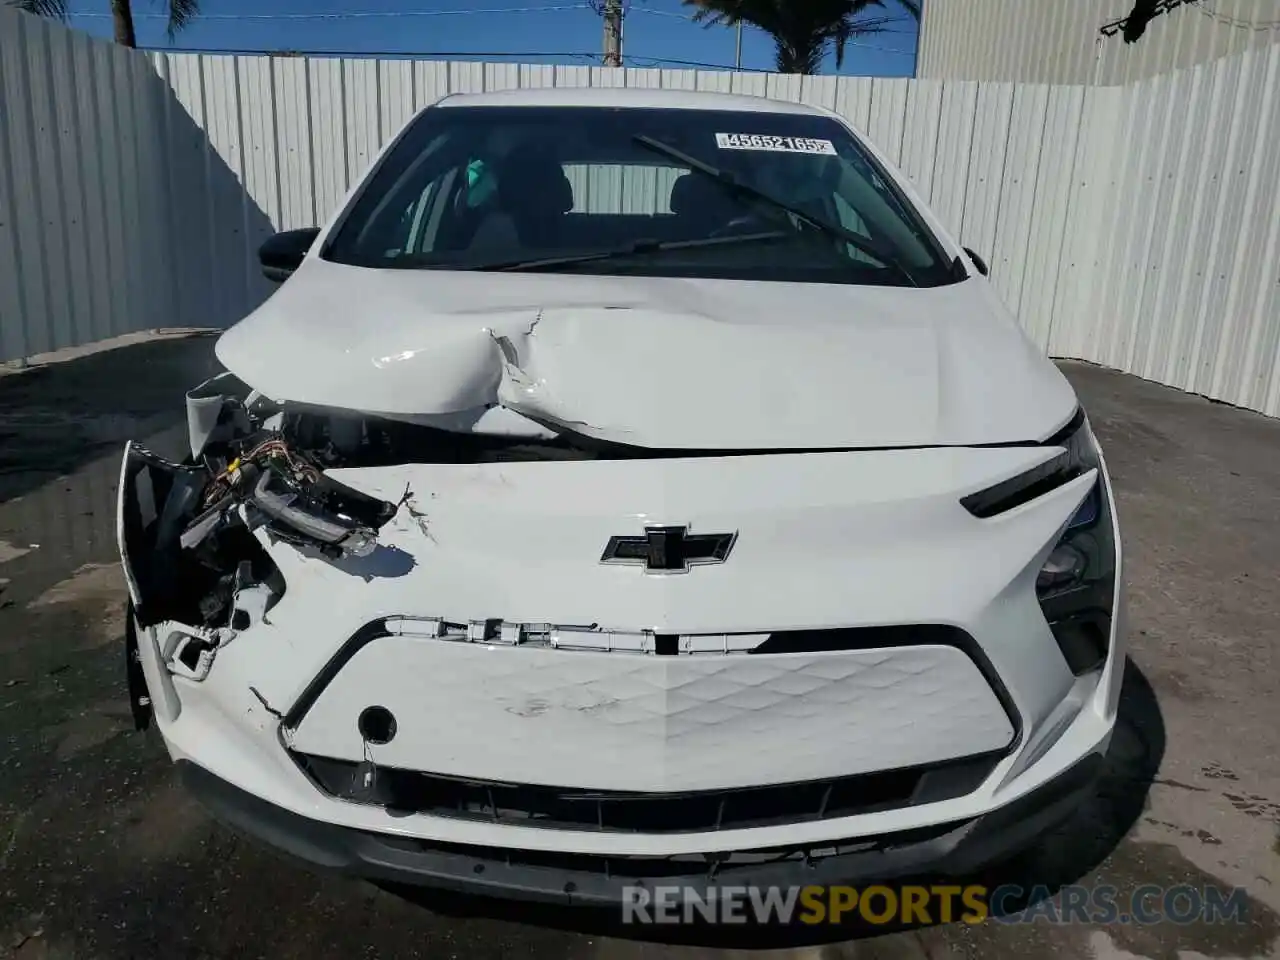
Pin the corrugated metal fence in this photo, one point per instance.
(82, 226)
(1184, 271)
(1061, 41)
(141, 188)
(993, 159)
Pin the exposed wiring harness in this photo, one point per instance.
(266, 482)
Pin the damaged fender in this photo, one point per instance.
(191, 534)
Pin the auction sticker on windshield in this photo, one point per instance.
(757, 141)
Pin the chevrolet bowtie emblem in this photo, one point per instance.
(669, 549)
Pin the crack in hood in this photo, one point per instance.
(657, 362)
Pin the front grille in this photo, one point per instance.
(623, 812)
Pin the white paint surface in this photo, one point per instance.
(857, 366)
(824, 540)
(1133, 225)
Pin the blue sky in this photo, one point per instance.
(545, 31)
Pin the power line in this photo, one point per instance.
(355, 14)
(644, 62)
(529, 55)
(664, 13)
(1231, 21)
(876, 46)
(375, 14)
(688, 19)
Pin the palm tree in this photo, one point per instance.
(1135, 25)
(180, 14)
(802, 29)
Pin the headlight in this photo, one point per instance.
(1076, 584)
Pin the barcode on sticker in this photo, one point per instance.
(760, 141)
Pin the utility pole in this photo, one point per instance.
(737, 60)
(613, 33)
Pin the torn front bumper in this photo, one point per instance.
(869, 553)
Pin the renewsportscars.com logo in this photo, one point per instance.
(878, 905)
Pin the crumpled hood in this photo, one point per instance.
(657, 362)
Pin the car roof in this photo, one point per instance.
(635, 97)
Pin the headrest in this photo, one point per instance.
(693, 195)
(534, 181)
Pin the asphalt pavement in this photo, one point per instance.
(102, 855)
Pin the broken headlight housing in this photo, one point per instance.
(1076, 584)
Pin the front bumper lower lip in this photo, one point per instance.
(959, 851)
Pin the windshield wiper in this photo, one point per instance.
(732, 183)
(635, 248)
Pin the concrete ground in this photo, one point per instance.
(103, 856)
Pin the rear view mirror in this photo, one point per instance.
(978, 262)
(283, 253)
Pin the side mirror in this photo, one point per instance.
(978, 262)
(283, 253)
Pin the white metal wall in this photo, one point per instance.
(82, 229)
(1131, 225)
(115, 214)
(1184, 265)
(1058, 41)
(995, 161)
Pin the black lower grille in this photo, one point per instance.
(614, 811)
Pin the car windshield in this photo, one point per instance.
(638, 192)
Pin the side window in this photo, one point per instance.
(398, 237)
(407, 235)
(621, 188)
(850, 220)
(419, 227)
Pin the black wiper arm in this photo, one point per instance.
(634, 248)
(730, 182)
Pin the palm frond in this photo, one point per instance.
(713, 13)
(53, 9)
(847, 29)
(181, 12)
(801, 29)
(912, 7)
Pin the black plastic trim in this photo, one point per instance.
(1023, 488)
(135, 678)
(979, 264)
(616, 811)
(374, 630)
(282, 253)
(1060, 437)
(948, 850)
(1039, 480)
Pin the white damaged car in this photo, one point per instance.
(629, 485)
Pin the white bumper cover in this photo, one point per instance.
(825, 542)
(617, 721)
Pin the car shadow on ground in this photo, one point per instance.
(1070, 854)
(57, 418)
